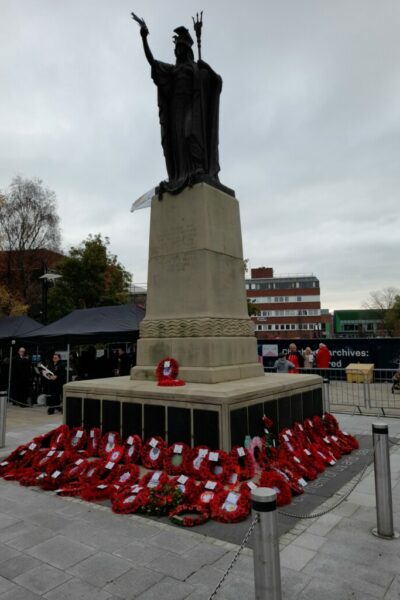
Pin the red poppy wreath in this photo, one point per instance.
(230, 507)
(153, 453)
(167, 373)
(189, 515)
(133, 449)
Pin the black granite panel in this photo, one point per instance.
(111, 417)
(154, 421)
(271, 411)
(131, 419)
(256, 413)
(239, 426)
(296, 408)
(91, 413)
(73, 411)
(317, 401)
(284, 414)
(308, 404)
(179, 425)
(206, 428)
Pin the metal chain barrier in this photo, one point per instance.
(237, 554)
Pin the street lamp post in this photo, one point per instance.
(48, 279)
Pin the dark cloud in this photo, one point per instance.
(310, 125)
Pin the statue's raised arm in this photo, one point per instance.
(144, 32)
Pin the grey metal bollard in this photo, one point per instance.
(3, 416)
(383, 484)
(267, 567)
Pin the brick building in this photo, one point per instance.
(289, 305)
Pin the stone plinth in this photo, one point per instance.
(196, 308)
(219, 415)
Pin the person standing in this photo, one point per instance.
(296, 358)
(308, 358)
(20, 378)
(322, 359)
(55, 382)
(123, 362)
(282, 365)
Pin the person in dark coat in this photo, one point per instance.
(124, 362)
(20, 378)
(54, 383)
(296, 358)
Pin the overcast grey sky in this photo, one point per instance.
(309, 125)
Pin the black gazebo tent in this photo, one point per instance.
(17, 327)
(92, 325)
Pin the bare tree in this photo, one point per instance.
(383, 303)
(381, 300)
(28, 216)
(28, 223)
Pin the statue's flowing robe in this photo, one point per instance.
(188, 101)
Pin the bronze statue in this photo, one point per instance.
(188, 101)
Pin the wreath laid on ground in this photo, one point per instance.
(279, 484)
(244, 462)
(130, 499)
(108, 443)
(189, 515)
(133, 449)
(197, 464)
(153, 453)
(175, 457)
(230, 507)
(77, 439)
(167, 373)
(187, 486)
(93, 442)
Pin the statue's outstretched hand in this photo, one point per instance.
(144, 32)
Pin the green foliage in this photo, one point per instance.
(90, 276)
(252, 308)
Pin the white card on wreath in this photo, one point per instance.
(214, 456)
(178, 449)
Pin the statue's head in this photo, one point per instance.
(183, 44)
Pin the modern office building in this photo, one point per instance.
(289, 306)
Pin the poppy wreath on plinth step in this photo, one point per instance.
(99, 471)
(74, 470)
(108, 443)
(175, 458)
(77, 439)
(187, 486)
(230, 507)
(93, 442)
(294, 479)
(22, 456)
(154, 479)
(127, 475)
(167, 373)
(130, 499)
(153, 453)
(297, 461)
(207, 490)
(278, 483)
(44, 440)
(244, 461)
(31, 477)
(71, 488)
(331, 426)
(17, 473)
(196, 464)
(189, 515)
(52, 480)
(133, 449)
(60, 438)
(258, 453)
(220, 465)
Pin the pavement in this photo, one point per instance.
(67, 549)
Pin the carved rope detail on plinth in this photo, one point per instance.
(201, 327)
